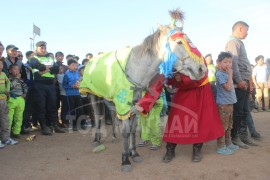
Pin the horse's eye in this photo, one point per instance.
(179, 42)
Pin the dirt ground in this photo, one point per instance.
(69, 156)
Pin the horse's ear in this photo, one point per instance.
(163, 29)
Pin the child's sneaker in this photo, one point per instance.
(233, 147)
(10, 142)
(143, 143)
(224, 151)
(154, 147)
(2, 145)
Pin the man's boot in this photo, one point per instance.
(255, 135)
(46, 130)
(243, 134)
(170, 153)
(236, 141)
(248, 141)
(196, 156)
(57, 129)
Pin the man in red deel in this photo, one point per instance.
(193, 117)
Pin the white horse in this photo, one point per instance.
(124, 80)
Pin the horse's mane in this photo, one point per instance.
(148, 45)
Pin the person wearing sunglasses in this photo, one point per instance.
(20, 55)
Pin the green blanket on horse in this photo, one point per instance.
(104, 77)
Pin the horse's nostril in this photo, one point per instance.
(200, 69)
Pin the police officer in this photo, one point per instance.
(44, 92)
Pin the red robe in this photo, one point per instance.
(149, 99)
(193, 117)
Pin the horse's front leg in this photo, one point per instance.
(126, 165)
(133, 153)
(98, 108)
(115, 120)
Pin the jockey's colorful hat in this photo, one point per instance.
(11, 47)
(41, 43)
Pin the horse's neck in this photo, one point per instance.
(142, 66)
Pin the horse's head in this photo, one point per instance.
(181, 54)
(191, 62)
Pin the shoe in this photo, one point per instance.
(46, 131)
(260, 110)
(57, 129)
(63, 125)
(35, 127)
(16, 136)
(238, 142)
(224, 151)
(255, 110)
(196, 156)
(10, 142)
(26, 130)
(248, 142)
(256, 135)
(233, 147)
(154, 147)
(267, 109)
(143, 143)
(170, 153)
(29, 129)
(2, 145)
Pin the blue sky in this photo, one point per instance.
(82, 26)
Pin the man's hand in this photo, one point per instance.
(242, 85)
(138, 107)
(229, 71)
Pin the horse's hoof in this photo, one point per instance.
(136, 159)
(115, 140)
(126, 168)
(96, 144)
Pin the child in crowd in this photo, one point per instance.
(226, 97)
(29, 115)
(252, 93)
(150, 126)
(16, 103)
(260, 76)
(84, 99)
(71, 85)
(211, 73)
(4, 95)
(63, 97)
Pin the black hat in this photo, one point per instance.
(207, 55)
(41, 43)
(11, 47)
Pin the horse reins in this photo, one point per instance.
(137, 85)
